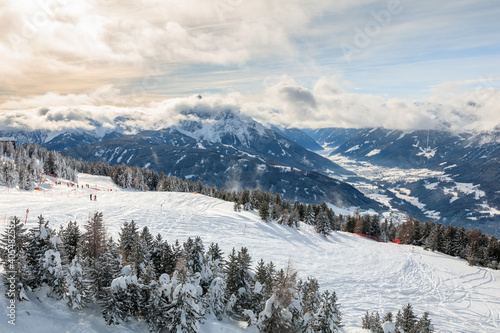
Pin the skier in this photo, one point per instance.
(95, 197)
(90, 196)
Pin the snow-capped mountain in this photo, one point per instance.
(450, 177)
(224, 148)
(298, 136)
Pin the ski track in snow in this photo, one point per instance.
(367, 276)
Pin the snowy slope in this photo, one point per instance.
(366, 275)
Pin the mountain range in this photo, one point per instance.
(426, 174)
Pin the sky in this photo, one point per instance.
(401, 64)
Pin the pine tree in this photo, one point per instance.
(147, 284)
(54, 274)
(264, 211)
(186, 311)
(158, 305)
(216, 298)
(472, 253)
(265, 276)
(10, 174)
(194, 254)
(365, 321)
(276, 316)
(231, 269)
(76, 285)
(14, 261)
(309, 297)
(71, 237)
(123, 299)
(458, 243)
(129, 238)
(322, 225)
(38, 243)
(328, 315)
(245, 199)
(407, 319)
(310, 217)
(424, 324)
(94, 238)
(215, 259)
(147, 239)
(434, 240)
(101, 272)
(245, 277)
(388, 317)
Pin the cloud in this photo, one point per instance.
(44, 43)
(284, 103)
(328, 104)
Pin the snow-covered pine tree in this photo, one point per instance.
(103, 271)
(310, 299)
(276, 316)
(158, 305)
(194, 254)
(215, 259)
(372, 322)
(46, 259)
(50, 164)
(233, 282)
(458, 243)
(77, 286)
(245, 200)
(147, 283)
(129, 237)
(163, 257)
(94, 237)
(38, 243)
(434, 241)
(71, 237)
(245, 276)
(293, 220)
(24, 183)
(12, 245)
(328, 316)
(406, 320)
(147, 239)
(186, 311)
(424, 324)
(10, 174)
(122, 301)
(264, 211)
(492, 254)
(388, 317)
(215, 298)
(310, 216)
(322, 224)
(54, 274)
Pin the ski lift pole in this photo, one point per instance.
(27, 212)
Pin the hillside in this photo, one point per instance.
(366, 275)
(222, 148)
(450, 177)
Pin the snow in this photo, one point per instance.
(354, 148)
(464, 189)
(366, 275)
(431, 186)
(373, 152)
(427, 152)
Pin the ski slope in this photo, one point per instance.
(366, 275)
